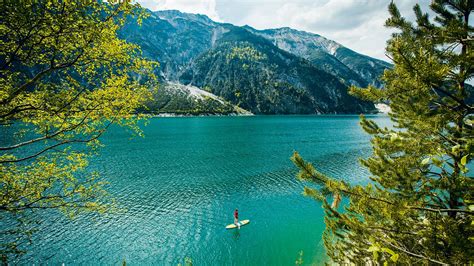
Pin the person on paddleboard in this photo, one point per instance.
(236, 218)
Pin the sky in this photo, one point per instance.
(356, 24)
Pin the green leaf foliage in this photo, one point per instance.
(65, 77)
(416, 209)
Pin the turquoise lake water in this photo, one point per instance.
(178, 186)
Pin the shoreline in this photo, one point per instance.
(164, 115)
(196, 115)
(380, 109)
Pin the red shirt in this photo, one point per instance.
(236, 214)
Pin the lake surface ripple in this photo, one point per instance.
(178, 186)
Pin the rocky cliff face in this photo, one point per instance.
(352, 67)
(278, 71)
(172, 38)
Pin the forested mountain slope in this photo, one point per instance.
(277, 71)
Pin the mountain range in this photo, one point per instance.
(274, 71)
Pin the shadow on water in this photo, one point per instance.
(236, 234)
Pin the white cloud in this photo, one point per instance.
(356, 24)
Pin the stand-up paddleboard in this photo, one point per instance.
(241, 223)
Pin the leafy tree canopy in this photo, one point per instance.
(65, 77)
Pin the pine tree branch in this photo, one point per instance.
(434, 86)
(309, 172)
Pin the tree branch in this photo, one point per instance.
(56, 145)
(48, 136)
(413, 254)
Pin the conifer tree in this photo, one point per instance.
(417, 208)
